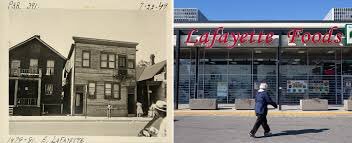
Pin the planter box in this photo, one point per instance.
(206, 104)
(314, 104)
(348, 105)
(244, 104)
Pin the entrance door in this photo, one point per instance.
(79, 103)
(12, 92)
(131, 101)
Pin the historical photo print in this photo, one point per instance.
(89, 71)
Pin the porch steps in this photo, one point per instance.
(10, 110)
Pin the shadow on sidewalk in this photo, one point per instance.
(296, 132)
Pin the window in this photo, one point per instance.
(50, 64)
(86, 59)
(107, 90)
(116, 91)
(33, 66)
(131, 64)
(111, 61)
(48, 89)
(122, 61)
(91, 90)
(107, 61)
(104, 60)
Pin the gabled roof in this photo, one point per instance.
(151, 71)
(37, 37)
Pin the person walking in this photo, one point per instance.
(262, 99)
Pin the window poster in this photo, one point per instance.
(222, 89)
(319, 86)
(296, 86)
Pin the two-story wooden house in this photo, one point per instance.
(99, 73)
(35, 80)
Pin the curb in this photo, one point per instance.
(271, 113)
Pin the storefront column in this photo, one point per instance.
(278, 87)
(197, 72)
(177, 67)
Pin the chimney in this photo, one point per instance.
(152, 57)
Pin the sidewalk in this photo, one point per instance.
(286, 111)
(74, 119)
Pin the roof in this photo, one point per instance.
(151, 71)
(264, 24)
(104, 42)
(37, 37)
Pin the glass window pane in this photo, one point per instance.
(103, 64)
(111, 64)
(85, 55)
(104, 57)
(111, 57)
(108, 89)
(91, 88)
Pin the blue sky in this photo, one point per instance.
(263, 9)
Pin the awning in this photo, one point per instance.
(151, 71)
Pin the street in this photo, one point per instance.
(235, 129)
(86, 128)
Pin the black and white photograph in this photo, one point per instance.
(89, 69)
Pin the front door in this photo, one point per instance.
(79, 103)
(131, 101)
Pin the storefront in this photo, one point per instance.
(298, 59)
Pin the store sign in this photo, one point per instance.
(326, 38)
(348, 34)
(235, 39)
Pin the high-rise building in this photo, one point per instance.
(339, 14)
(188, 15)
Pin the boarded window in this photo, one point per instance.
(116, 91)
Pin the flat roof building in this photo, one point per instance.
(339, 14)
(226, 60)
(189, 15)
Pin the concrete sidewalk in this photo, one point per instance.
(74, 118)
(286, 111)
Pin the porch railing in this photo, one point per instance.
(31, 72)
(26, 101)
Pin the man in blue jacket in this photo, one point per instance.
(262, 99)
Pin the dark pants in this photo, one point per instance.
(261, 120)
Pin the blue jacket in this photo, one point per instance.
(262, 99)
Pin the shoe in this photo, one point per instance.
(267, 134)
(251, 135)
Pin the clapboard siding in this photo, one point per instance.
(84, 75)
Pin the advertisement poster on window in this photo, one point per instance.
(319, 86)
(222, 89)
(296, 86)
